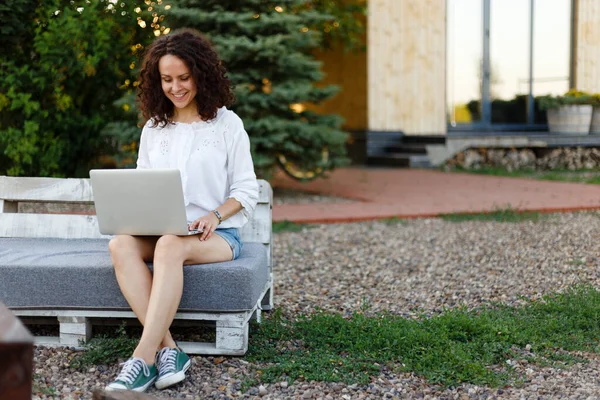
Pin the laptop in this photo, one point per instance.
(145, 202)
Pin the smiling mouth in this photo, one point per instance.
(179, 96)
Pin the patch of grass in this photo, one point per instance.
(248, 383)
(501, 215)
(578, 176)
(105, 349)
(458, 346)
(393, 221)
(288, 226)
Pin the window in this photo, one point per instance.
(464, 51)
(494, 80)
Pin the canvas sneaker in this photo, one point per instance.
(136, 375)
(172, 365)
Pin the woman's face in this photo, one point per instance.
(177, 81)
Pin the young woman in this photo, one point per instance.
(183, 92)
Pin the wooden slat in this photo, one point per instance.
(258, 229)
(49, 226)
(72, 190)
(45, 189)
(265, 192)
(86, 226)
(240, 317)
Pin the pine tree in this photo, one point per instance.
(266, 47)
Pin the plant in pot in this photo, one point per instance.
(595, 126)
(570, 113)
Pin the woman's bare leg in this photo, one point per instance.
(170, 254)
(129, 255)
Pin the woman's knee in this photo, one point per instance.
(169, 247)
(121, 246)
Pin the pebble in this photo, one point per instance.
(262, 390)
(422, 265)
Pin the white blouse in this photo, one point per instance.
(213, 158)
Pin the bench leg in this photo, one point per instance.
(267, 300)
(74, 330)
(232, 339)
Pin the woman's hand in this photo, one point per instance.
(207, 224)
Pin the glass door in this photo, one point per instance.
(502, 55)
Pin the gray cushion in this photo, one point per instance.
(77, 273)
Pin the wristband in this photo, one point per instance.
(218, 214)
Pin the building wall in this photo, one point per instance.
(587, 45)
(406, 64)
(349, 71)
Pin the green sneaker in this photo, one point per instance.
(136, 375)
(172, 364)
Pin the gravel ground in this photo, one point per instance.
(419, 266)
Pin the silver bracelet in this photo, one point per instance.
(218, 214)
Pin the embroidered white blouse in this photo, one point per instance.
(213, 158)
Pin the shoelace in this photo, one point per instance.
(131, 368)
(166, 360)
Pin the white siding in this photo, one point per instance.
(407, 66)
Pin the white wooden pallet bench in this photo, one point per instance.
(58, 265)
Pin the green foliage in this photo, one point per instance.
(394, 221)
(507, 214)
(346, 24)
(458, 346)
(288, 226)
(580, 176)
(13, 30)
(572, 97)
(106, 349)
(266, 47)
(64, 66)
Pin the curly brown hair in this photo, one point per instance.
(214, 89)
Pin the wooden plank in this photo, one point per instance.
(49, 226)
(231, 340)
(16, 358)
(238, 318)
(45, 189)
(265, 192)
(72, 189)
(71, 226)
(259, 228)
(74, 330)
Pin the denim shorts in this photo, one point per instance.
(232, 237)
